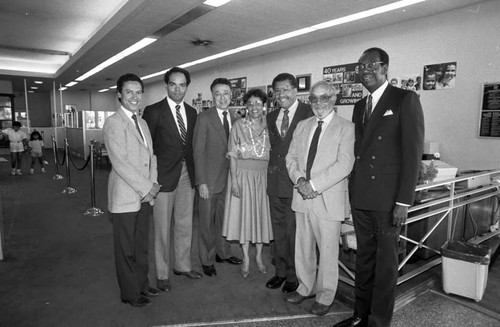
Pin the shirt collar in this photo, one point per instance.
(172, 103)
(327, 119)
(377, 94)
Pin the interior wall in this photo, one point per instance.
(469, 36)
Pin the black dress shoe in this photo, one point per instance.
(189, 274)
(150, 292)
(297, 298)
(289, 287)
(210, 270)
(231, 260)
(163, 285)
(139, 303)
(351, 322)
(275, 282)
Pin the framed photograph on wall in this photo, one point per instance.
(303, 83)
(489, 120)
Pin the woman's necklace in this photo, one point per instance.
(263, 145)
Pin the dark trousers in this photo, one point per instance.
(376, 266)
(284, 226)
(210, 240)
(131, 244)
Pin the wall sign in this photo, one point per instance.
(347, 82)
(489, 120)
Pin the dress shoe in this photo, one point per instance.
(150, 292)
(320, 309)
(289, 287)
(245, 269)
(350, 322)
(163, 285)
(261, 267)
(231, 260)
(297, 298)
(139, 303)
(210, 270)
(275, 282)
(189, 274)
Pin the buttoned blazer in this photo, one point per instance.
(388, 151)
(134, 167)
(210, 148)
(333, 163)
(167, 143)
(278, 181)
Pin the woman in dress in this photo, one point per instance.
(246, 215)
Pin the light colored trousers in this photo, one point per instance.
(316, 279)
(179, 206)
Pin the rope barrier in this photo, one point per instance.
(93, 210)
(57, 176)
(68, 189)
(74, 163)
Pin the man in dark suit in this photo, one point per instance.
(171, 122)
(388, 149)
(212, 166)
(281, 125)
(132, 188)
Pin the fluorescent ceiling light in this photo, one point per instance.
(63, 88)
(127, 52)
(215, 3)
(30, 91)
(306, 30)
(70, 84)
(38, 82)
(34, 87)
(113, 87)
(103, 90)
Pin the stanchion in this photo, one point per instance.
(68, 189)
(57, 176)
(93, 211)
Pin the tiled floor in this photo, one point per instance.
(59, 271)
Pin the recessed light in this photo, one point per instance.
(38, 82)
(30, 91)
(34, 87)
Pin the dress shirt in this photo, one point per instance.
(129, 115)
(291, 113)
(221, 117)
(182, 111)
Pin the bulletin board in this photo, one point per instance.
(489, 116)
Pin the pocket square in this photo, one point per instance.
(388, 113)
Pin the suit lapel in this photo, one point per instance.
(377, 114)
(216, 124)
(130, 125)
(171, 120)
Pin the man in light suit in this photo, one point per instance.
(319, 160)
(212, 167)
(132, 187)
(281, 124)
(171, 122)
(389, 143)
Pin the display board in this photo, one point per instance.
(347, 82)
(489, 119)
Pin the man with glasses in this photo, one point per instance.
(281, 124)
(389, 143)
(171, 122)
(320, 158)
(212, 167)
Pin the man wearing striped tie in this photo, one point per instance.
(171, 122)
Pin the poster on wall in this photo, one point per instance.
(347, 82)
(238, 89)
(489, 120)
(440, 76)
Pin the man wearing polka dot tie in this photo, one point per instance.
(171, 122)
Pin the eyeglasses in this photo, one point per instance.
(320, 99)
(372, 65)
(255, 104)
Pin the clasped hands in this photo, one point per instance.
(305, 189)
(155, 189)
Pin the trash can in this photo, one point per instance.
(465, 268)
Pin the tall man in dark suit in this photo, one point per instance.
(132, 188)
(388, 149)
(212, 167)
(171, 122)
(281, 125)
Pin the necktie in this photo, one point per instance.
(226, 124)
(285, 122)
(368, 109)
(134, 117)
(180, 121)
(313, 149)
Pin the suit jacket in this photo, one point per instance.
(168, 145)
(388, 151)
(210, 148)
(278, 181)
(134, 165)
(332, 164)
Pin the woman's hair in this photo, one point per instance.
(16, 123)
(32, 136)
(255, 93)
